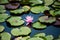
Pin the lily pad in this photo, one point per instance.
(35, 2)
(15, 32)
(5, 35)
(26, 8)
(12, 5)
(38, 25)
(15, 21)
(4, 1)
(49, 37)
(17, 11)
(56, 5)
(38, 9)
(2, 7)
(52, 12)
(25, 30)
(22, 38)
(40, 35)
(48, 2)
(57, 23)
(1, 28)
(2, 19)
(57, 12)
(46, 19)
(25, 38)
(36, 38)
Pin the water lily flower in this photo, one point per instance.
(29, 19)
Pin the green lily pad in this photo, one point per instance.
(17, 11)
(5, 36)
(15, 21)
(35, 2)
(2, 7)
(40, 35)
(2, 19)
(48, 2)
(24, 2)
(26, 8)
(4, 1)
(2, 11)
(52, 12)
(38, 25)
(38, 9)
(1, 28)
(57, 12)
(56, 3)
(25, 38)
(15, 32)
(46, 19)
(22, 38)
(49, 37)
(25, 30)
(36, 38)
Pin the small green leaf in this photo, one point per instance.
(48, 2)
(4, 1)
(17, 11)
(15, 32)
(2, 19)
(5, 35)
(38, 9)
(15, 21)
(26, 8)
(38, 25)
(40, 35)
(46, 19)
(49, 37)
(1, 28)
(25, 30)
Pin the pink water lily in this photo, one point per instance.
(29, 19)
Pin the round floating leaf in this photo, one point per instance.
(2, 7)
(52, 12)
(40, 35)
(22, 38)
(5, 36)
(1, 28)
(26, 8)
(3, 17)
(57, 12)
(57, 3)
(25, 38)
(17, 11)
(38, 9)
(48, 2)
(34, 2)
(49, 37)
(36, 38)
(38, 25)
(15, 32)
(46, 19)
(12, 5)
(25, 31)
(4, 1)
(15, 21)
